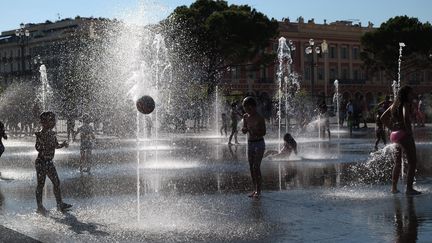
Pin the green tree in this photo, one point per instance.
(213, 36)
(381, 46)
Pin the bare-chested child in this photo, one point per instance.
(254, 126)
(290, 145)
(46, 144)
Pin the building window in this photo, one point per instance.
(320, 73)
(356, 75)
(251, 74)
(333, 52)
(355, 53)
(263, 72)
(307, 73)
(344, 73)
(429, 76)
(344, 52)
(235, 73)
(333, 73)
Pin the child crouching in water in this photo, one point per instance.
(290, 145)
(254, 125)
(46, 144)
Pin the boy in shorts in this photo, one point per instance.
(46, 144)
(254, 126)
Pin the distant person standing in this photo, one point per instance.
(421, 112)
(323, 113)
(234, 124)
(87, 136)
(254, 126)
(70, 127)
(364, 110)
(379, 131)
(224, 127)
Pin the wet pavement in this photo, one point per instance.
(187, 188)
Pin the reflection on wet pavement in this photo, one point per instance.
(194, 189)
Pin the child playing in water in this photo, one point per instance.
(397, 118)
(350, 122)
(379, 131)
(87, 135)
(254, 125)
(46, 144)
(290, 145)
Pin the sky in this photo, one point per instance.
(14, 12)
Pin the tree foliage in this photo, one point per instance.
(212, 36)
(381, 46)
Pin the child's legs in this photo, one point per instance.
(383, 136)
(41, 173)
(255, 154)
(88, 158)
(2, 149)
(82, 158)
(409, 147)
(396, 166)
(233, 131)
(53, 176)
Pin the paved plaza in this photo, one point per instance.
(194, 187)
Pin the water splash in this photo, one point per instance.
(45, 91)
(336, 99)
(377, 169)
(288, 82)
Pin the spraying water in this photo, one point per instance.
(288, 82)
(45, 89)
(336, 100)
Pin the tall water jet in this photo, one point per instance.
(45, 91)
(395, 88)
(401, 46)
(336, 100)
(285, 80)
(216, 107)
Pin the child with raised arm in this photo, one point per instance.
(397, 118)
(46, 144)
(87, 136)
(254, 126)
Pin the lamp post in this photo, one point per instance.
(311, 50)
(324, 49)
(23, 35)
